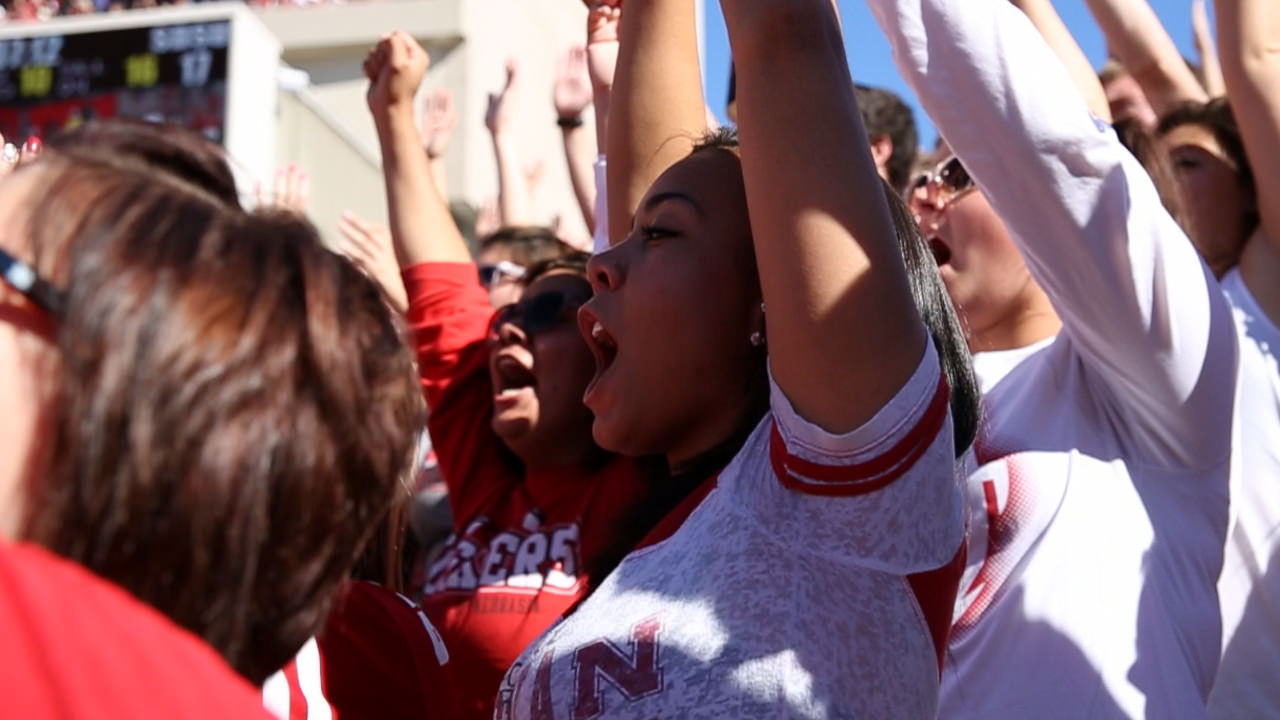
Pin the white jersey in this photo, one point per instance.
(1099, 507)
(1248, 684)
(814, 580)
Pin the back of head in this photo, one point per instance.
(169, 149)
(526, 246)
(885, 114)
(236, 406)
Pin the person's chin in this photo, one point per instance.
(510, 426)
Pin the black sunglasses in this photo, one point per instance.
(23, 278)
(536, 314)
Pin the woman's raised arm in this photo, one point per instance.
(843, 332)
(421, 226)
(656, 110)
(1249, 46)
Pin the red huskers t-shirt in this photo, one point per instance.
(76, 646)
(377, 658)
(522, 540)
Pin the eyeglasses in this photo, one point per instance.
(490, 274)
(536, 314)
(23, 278)
(948, 178)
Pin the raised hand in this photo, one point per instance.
(498, 117)
(290, 191)
(395, 68)
(602, 41)
(572, 92)
(368, 245)
(602, 20)
(439, 118)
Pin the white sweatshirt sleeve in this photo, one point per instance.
(600, 239)
(1147, 320)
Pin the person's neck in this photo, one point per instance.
(560, 456)
(1259, 269)
(1025, 323)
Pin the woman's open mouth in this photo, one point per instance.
(941, 253)
(603, 346)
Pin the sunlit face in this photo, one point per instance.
(983, 270)
(27, 353)
(1211, 194)
(539, 367)
(671, 321)
(505, 287)
(1129, 102)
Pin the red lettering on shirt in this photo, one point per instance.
(636, 673)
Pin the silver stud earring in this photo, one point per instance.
(757, 339)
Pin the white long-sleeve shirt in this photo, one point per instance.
(1248, 682)
(1099, 508)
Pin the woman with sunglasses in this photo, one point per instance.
(756, 326)
(1106, 353)
(540, 512)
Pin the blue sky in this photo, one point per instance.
(871, 63)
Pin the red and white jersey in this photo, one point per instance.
(812, 579)
(1099, 504)
(524, 542)
(1248, 683)
(378, 657)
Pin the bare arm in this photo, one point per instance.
(513, 191)
(657, 109)
(572, 96)
(843, 332)
(1064, 45)
(421, 227)
(1249, 38)
(1210, 65)
(1139, 41)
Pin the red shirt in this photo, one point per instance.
(76, 646)
(377, 658)
(522, 539)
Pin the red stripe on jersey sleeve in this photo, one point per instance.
(297, 700)
(935, 593)
(813, 478)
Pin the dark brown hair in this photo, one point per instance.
(527, 245)
(170, 149)
(236, 411)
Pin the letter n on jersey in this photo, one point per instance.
(636, 674)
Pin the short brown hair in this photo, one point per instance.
(527, 245)
(237, 407)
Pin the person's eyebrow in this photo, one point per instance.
(660, 198)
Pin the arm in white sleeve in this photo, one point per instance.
(1137, 304)
(600, 238)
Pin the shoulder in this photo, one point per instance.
(78, 646)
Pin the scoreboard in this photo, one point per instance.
(175, 73)
(209, 66)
